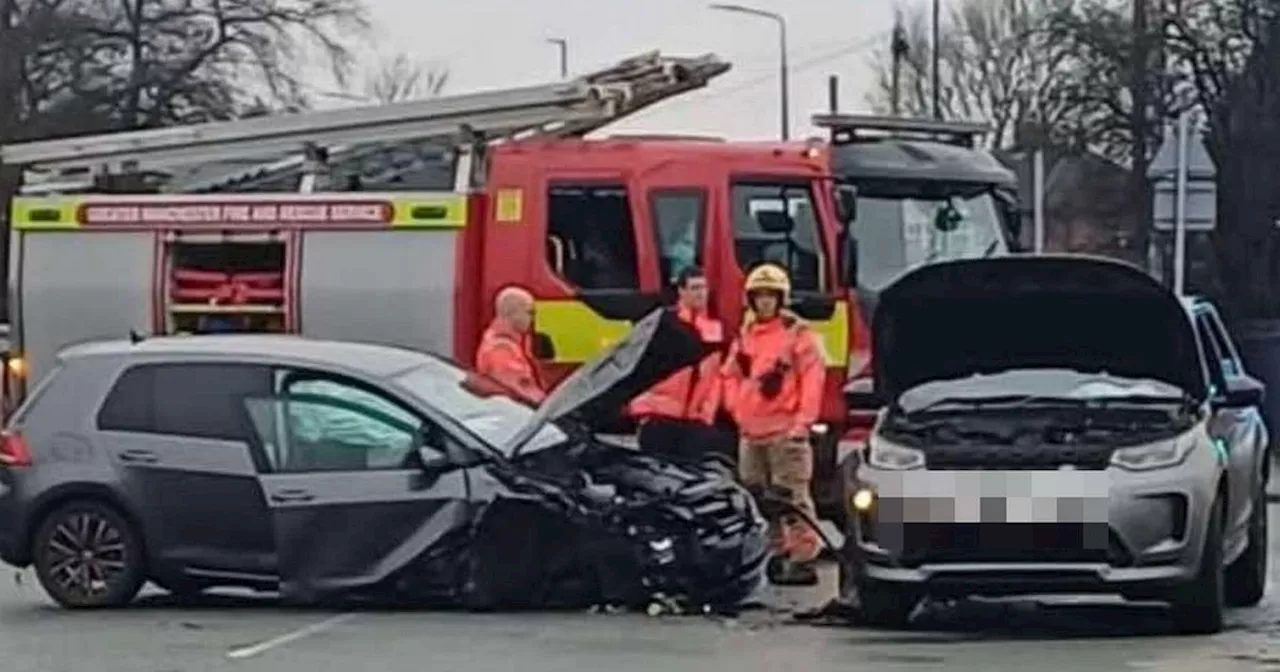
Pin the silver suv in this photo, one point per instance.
(1056, 425)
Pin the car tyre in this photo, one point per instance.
(87, 555)
(885, 605)
(1197, 608)
(1246, 578)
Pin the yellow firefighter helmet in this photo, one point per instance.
(769, 277)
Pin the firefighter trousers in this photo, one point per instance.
(785, 463)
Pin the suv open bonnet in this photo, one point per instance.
(955, 319)
(658, 345)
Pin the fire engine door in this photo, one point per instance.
(597, 246)
(781, 221)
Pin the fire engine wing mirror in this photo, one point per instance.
(860, 394)
(850, 260)
(543, 347)
(846, 203)
(775, 222)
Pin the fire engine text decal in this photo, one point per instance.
(258, 213)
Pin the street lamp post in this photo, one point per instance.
(783, 75)
(563, 45)
(936, 84)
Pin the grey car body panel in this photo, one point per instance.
(580, 523)
(80, 286)
(1230, 446)
(407, 300)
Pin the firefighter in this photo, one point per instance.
(773, 382)
(506, 350)
(676, 415)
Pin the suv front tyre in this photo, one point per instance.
(87, 555)
(1197, 607)
(1246, 578)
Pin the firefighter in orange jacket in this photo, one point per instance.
(773, 383)
(676, 415)
(506, 350)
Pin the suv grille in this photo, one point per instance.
(1010, 542)
(1015, 458)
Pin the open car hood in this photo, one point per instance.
(658, 345)
(955, 319)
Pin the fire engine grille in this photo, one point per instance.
(1010, 542)
(1017, 458)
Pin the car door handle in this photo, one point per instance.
(292, 496)
(139, 456)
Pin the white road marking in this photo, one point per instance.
(287, 638)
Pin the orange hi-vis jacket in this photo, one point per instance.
(692, 393)
(507, 356)
(786, 345)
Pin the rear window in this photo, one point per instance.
(41, 387)
(202, 400)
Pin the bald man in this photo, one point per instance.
(506, 350)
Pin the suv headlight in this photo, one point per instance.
(882, 454)
(1159, 455)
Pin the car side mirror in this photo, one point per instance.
(850, 265)
(544, 349)
(860, 394)
(1242, 392)
(432, 460)
(846, 203)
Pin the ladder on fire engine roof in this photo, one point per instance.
(561, 109)
(852, 128)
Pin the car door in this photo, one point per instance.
(181, 441)
(1241, 429)
(351, 502)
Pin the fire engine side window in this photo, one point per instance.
(590, 237)
(776, 222)
(678, 219)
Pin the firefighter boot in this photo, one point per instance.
(788, 572)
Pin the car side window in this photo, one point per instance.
(199, 400)
(333, 424)
(1210, 353)
(1227, 357)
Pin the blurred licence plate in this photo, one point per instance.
(1062, 496)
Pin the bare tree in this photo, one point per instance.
(401, 78)
(997, 65)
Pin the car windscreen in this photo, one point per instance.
(481, 404)
(1037, 383)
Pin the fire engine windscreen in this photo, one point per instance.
(898, 229)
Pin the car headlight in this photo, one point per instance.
(1159, 455)
(882, 454)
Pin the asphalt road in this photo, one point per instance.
(236, 633)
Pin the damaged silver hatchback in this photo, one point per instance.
(334, 471)
(1056, 425)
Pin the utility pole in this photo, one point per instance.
(900, 49)
(563, 46)
(937, 32)
(783, 70)
(1138, 123)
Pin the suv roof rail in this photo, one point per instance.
(852, 128)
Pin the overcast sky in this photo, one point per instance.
(499, 43)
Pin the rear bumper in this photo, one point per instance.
(13, 546)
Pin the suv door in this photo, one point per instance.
(179, 436)
(350, 500)
(1240, 429)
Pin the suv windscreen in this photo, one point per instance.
(896, 232)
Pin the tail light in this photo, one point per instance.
(13, 450)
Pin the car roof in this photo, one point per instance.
(378, 360)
